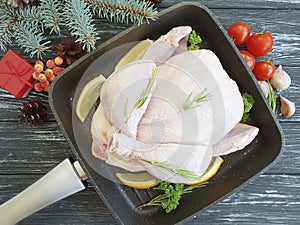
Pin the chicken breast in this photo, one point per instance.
(166, 120)
(232, 99)
(190, 74)
(121, 92)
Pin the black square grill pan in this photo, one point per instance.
(238, 168)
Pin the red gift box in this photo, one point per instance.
(16, 74)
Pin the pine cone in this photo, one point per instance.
(17, 3)
(69, 50)
(33, 112)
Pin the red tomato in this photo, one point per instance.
(264, 70)
(249, 58)
(260, 43)
(240, 32)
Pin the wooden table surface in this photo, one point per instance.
(26, 153)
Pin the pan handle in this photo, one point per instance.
(62, 181)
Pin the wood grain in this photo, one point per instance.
(43, 147)
(26, 153)
(241, 4)
(255, 203)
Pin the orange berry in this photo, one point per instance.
(38, 67)
(45, 84)
(42, 77)
(51, 78)
(47, 88)
(35, 75)
(50, 63)
(57, 70)
(49, 72)
(38, 86)
(58, 60)
(39, 62)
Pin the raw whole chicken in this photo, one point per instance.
(174, 106)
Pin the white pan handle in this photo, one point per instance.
(62, 181)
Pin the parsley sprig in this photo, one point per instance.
(248, 101)
(194, 41)
(172, 193)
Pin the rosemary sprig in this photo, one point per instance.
(126, 108)
(146, 92)
(195, 102)
(143, 97)
(173, 169)
(272, 97)
(172, 193)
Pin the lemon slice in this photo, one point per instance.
(135, 53)
(137, 180)
(88, 96)
(212, 169)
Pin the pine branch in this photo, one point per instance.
(10, 21)
(28, 14)
(51, 14)
(79, 20)
(29, 37)
(120, 11)
(5, 25)
(26, 25)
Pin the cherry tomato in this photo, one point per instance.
(249, 58)
(264, 70)
(260, 43)
(240, 32)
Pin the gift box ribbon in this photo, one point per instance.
(16, 73)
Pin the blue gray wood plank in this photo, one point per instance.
(272, 198)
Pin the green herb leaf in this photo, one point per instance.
(272, 97)
(194, 41)
(195, 102)
(126, 108)
(143, 97)
(146, 92)
(172, 193)
(248, 104)
(173, 169)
